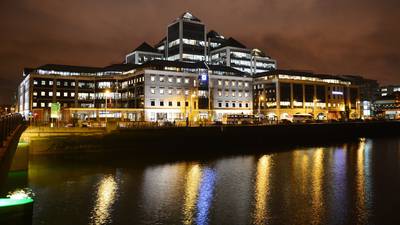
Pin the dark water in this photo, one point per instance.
(353, 183)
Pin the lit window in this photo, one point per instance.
(226, 93)
(49, 104)
(170, 91)
(35, 82)
(72, 94)
(34, 93)
(240, 94)
(58, 94)
(233, 83)
(219, 93)
(42, 104)
(73, 84)
(170, 79)
(226, 83)
(42, 93)
(246, 94)
(246, 84)
(178, 91)
(65, 94)
(240, 83)
(219, 82)
(161, 78)
(178, 80)
(233, 94)
(153, 78)
(50, 82)
(162, 91)
(50, 93)
(34, 104)
(65, 83)
(58, 83)
(152, 90)
(186, 92)
(43, 82)
(186, 80)
(194, 83)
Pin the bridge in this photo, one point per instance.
(11, 128)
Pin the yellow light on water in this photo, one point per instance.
(191, 193)
(106, 195)
(262, 189)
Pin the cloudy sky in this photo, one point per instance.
(327, 36)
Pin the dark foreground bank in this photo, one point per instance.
(234, 139)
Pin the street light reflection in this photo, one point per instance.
(205, 196)
(191, 190)
(317, 189)
(106, 195)
(262, 189)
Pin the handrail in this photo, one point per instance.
(8, 124)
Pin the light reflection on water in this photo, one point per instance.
(107, 192)
(327, 185)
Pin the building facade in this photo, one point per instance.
(281, 94)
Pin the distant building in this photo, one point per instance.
(281, 94)
(388, 90)
(368, 93)
(388, 106)
(142, 54)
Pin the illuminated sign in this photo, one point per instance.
(337, 92)
(203, 79)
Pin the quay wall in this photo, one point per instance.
(235, 139)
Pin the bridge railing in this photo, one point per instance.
(8, 124)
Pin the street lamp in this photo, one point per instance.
(106, 93)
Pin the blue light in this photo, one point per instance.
(204, 77)
(205, 196)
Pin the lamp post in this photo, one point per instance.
(107, 92)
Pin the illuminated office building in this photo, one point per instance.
(280, 94)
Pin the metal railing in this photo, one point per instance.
(8, 124)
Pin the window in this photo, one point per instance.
(194, 83)
(34, 104)
(161, 103)
(50, 82)
(58, 94)
(43, 82)
(170, 79)
(161, 90)
(246, 94)
(169, 103)
(49, 104)
(58, 83)
(72, 94)
(220, 104)
(186, 92)
(178, 91)
(219, 82)
(42, 93)
(178, 104)
(226, 93)
(153, 78)
(65, 94)
(186, 103)
(226, 104)
(186, 80)
(73, 83)
(240, 83)
(170, 91)
(161, 78)
(34, 93)
(35, 82)
(50, 93)
(152, 103)
(42, 104)
(152, 90)
(233, 104)
(233, 83)
(178, 80)
(247, 105)
(233, 93)
(65, 83)
(219, 93)
(240, 94)
(240, 105)
(226, 83)
(246, 84)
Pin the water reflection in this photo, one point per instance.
(106, 196)
(363, 182)
(191, 190)
(316, 185)
(262, 189)
(205, 196)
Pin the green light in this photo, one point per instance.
(6, 202)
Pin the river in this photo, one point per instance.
(349, 183)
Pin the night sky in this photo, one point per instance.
(326, 36)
